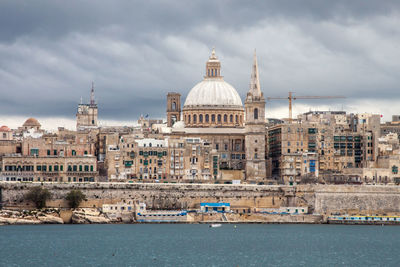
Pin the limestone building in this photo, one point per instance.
(173, 108)
(86, 116)
(230, 137)
(255, 128)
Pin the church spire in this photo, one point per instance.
(255, 88)
(92, 101)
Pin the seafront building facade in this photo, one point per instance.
(212, 138)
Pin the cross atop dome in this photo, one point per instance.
(213, 56)
(213, 66)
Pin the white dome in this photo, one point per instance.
(213, 92)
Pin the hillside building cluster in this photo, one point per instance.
(212, 138)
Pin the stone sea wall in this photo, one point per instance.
(321, 199)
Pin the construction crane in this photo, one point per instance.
(291, 97)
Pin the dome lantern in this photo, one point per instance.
(213, 66)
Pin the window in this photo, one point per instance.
(194, 118)
(201, 118)
(73, 153)
(236, 118)
(213, 117)
(34, 151)
(256, 113)
(207, 117)
(231, 118)
(395, 169)
(189, 119)
(219, 117)
(173, 105)
(48, 152)
(91, 168)
(4, 135)
(55, 152)
(225, 118)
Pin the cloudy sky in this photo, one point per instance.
(137, 51)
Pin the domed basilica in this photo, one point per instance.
(213, 112)
(213, 102)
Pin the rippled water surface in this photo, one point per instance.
(199, 245)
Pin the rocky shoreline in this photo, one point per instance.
(53, 216)
(94, 216)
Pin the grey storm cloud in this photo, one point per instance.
(137, 51)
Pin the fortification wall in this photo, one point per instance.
(321, 199)
(157, 196)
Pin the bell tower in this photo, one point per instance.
(173, 108)
(86, 116)
(255, 128)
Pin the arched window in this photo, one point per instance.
(225, 118)
(236, 119)
(201, 118)
(213, 117)
(219, 117)
(194, 118)
(212, 72)
(189, 119)
(207, 117)
(173, 105)
(256, 113)
(208, 72)
(231, 118)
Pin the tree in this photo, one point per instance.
(74, 198)
(38, 196)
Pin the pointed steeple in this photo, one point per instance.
(255, 88)
(92, 101)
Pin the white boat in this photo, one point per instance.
(213, 225)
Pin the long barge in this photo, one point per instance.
(363, 219)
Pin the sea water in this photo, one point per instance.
(199, 245)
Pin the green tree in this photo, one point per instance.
(74, 198)
(38, 195)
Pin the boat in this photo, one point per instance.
(213, 225)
